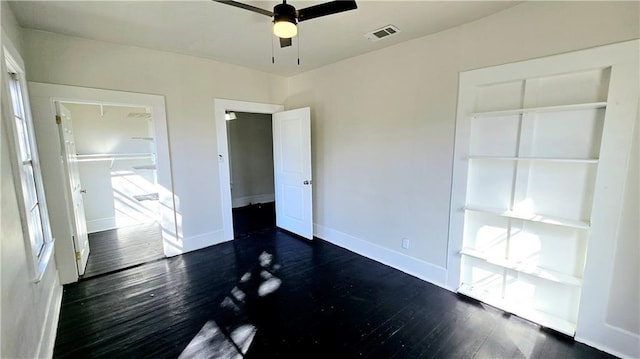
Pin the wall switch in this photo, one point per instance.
(405, 243)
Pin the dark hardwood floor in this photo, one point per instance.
(252, 218)
(271, 295)
(122, 248)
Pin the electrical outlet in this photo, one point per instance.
(405, 243)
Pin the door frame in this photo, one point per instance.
(220, 108)
(43, 98)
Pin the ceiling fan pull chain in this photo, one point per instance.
(273, 59)
(298, 47)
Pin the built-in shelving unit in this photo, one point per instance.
(532, 158)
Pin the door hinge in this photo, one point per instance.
(58, 120)
(77, 256)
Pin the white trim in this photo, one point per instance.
(247, 200)
(197, 242)
(410, 265)
(50, 327)
(220, 106)
(42, 93)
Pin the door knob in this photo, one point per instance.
(83, 191)
(306, 182)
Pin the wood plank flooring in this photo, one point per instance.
(252, 218)
(271, 295)
(122, 248)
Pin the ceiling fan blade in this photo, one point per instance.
(329, 8)
(284, 42)
(246, 7)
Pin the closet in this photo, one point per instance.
(117, 164)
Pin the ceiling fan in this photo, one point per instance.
(286, 17)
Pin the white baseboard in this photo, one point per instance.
(101, 224)
(50, 327)
(412, 266)
(626, 344)
(245, 201)
(193, 243)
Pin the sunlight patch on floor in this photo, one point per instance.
(210, 342)
(235, 338)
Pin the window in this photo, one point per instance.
(28, 180)
(31, 193)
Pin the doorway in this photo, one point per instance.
(113, 150)
(250, 141)
(59, 191)
(291, 133)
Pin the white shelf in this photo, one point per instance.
(525, 268)
(113, 156)
(572, 107)
(542, 318)
(532, 217)
(143, 138)
(541, 159)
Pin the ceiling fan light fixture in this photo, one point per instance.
(285, 17)
(285, 29)
(284, 21)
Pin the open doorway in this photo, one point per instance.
(291, 131)
(250, 141)
(111, 159)
(63, 195)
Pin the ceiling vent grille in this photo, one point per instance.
(381, 33)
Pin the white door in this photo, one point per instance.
(292, 171)
(69, 159)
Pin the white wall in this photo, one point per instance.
(28, 310)
(10, 27)
(383, 128)
(111, 131)
(250, 141)
(189, 85)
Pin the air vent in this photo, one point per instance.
(140, 115)
(381, 33)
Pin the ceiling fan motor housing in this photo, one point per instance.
(285, 12)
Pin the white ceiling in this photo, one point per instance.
(212, 30)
